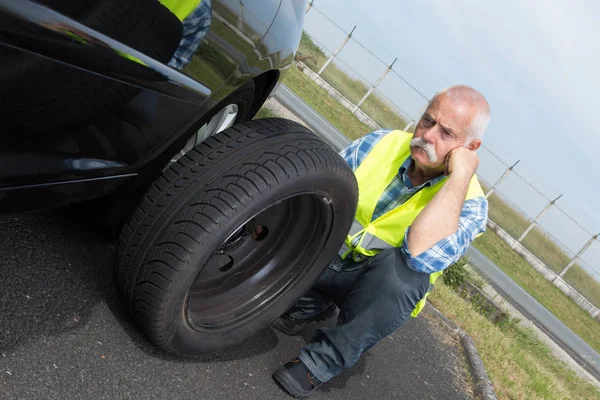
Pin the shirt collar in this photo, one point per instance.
(403, 171)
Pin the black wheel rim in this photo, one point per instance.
(259, 262)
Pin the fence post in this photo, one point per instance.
(500, 180)
(330, 59)
(583, 249)
(309, 6)
(387, 70)
(534, 223)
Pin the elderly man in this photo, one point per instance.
(420, 206)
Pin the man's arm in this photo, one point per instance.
(472, 222)
(448, 224)
(440, 217)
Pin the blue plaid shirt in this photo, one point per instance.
(473, 217)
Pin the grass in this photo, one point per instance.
(512, 221)
(515, 223)
(584, 283)
(380, 110)
(543, 247)
(565, 309)
(518, 364)
(329, 108)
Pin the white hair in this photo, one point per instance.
(474, 98)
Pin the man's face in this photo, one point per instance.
(443, 127)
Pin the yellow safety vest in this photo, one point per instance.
(367, 237)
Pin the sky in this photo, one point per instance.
(537, 62)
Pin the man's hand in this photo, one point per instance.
(440, 217)
(462, 162)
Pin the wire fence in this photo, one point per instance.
(379, 86)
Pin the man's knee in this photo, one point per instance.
(395, 279)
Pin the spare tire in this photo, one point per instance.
(232, 234)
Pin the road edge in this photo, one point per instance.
(484, 389)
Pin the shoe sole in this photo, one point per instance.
(289, 384)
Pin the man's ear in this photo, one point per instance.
(474, 145)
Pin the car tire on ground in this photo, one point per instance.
(232, 234)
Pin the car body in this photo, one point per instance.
(50, 158)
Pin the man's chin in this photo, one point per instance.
(425, 164)
(421, 158)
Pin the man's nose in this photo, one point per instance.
(429, 134)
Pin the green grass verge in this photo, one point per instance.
(513, 222)
(353, 89)
(518, 364)
(565, 309)
(329, 108)
(584, 283)
(543, 247)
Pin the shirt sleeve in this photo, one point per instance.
(358, 150)
(472, 222)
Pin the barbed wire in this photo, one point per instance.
(587, 267)
(556, 241)
(339, 60)
(405, 115)
(321, 44)
(489, 149)
(331, 19)
(586, 228)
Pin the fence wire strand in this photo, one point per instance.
(330, 19)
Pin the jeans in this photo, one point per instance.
(375, 297)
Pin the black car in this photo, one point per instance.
(143, 109)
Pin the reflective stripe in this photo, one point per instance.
(355, 228)
(372, 242)
(344, 250)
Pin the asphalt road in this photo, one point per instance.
(544, 319)
(63, 335)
